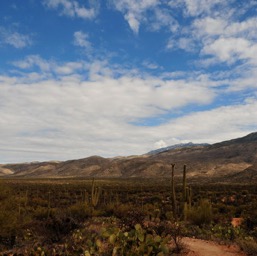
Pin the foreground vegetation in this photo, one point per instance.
(122, 217)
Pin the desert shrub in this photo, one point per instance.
(41, 213)
(177, 231)
(5, 191)
(250, 224)
(121, 210)
(57, 226)
(226, 232)
(152, 212)
(39, 202)
(249, 246)
(128, 214)
(106, 241)
(174, 230)
(110, 209)
(136, 241)
(201, 214)
(195, 231)
(8, 210)
(253, 232)
(9, 216)
(131, 218)
(80, 211)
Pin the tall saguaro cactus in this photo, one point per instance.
(189, 196)
(186, 200)
(184, 184)
(173, 196)
(48, 205)
(186, 196)
(95, 194)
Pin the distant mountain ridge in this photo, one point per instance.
(176, 146)
(232, 161)
(248, 138)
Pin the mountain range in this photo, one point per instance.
(233, 161)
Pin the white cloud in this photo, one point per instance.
(147, 96)
(81, 39)
(72, 8)
(133, 21)
(71, 117)
(134, 11)
(150, 65)
(184, 43)
(33, 60)
(198, 7)
(155, 15)
(231, 50)
(247, 80)
(68, 68)
(152, 13)
(162, 17)
(228, 49)
(246, 28)
(65, 110)
(239, 42)
(217, 124)
(210, 26)
(160, 144)
(216, 37)
(14, 38)
(48, 67)
(65, 116)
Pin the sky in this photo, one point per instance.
(123, 77)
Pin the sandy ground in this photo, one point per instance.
(197, 247)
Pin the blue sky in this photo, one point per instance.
(123, 77)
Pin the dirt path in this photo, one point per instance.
(199, 247)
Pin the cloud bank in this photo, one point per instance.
(198, 82)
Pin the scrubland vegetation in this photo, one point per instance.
(122, 217)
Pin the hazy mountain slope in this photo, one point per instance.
(218, 159)
(91, 166)
(32, 169)
(247, 175)
(234, 159)
(5, 171)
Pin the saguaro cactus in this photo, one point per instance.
(86, 197)
(184, 184)
(173, 195)
(49, 205)
(189, 196)
(186, 197)
(95, 194)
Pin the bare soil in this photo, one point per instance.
(197, 247)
